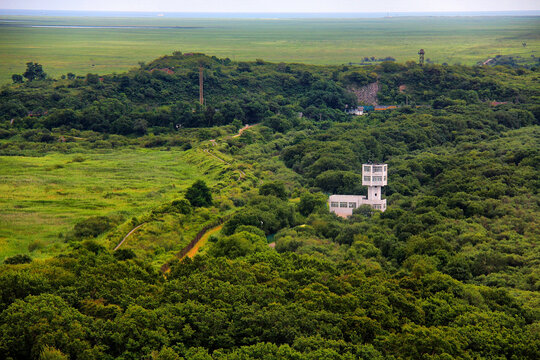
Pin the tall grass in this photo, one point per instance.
(315, 41)
(42, 198)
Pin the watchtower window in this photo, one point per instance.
(367, 169)
(334, 204)
(352, 205)
(377, 178)
(342, 204)
(367, 178)
(377, 169)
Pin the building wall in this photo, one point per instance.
(343, 205)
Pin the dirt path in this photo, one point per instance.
(191, 253)
(125, 237)
(217, 157)
(240, 131)
(191, 249)
(244, 128)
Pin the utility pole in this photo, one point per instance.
(201, 90)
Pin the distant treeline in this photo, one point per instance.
(162, 96)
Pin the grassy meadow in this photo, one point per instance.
(464, 40)
(42, 198)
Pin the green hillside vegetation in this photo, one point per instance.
(45, 197)
(152, 98)
(449, 271)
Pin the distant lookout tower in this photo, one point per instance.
(374, 177)
(421, 57)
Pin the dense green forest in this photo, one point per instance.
(449, 271)
(163, 95)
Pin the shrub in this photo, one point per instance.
(18, 259)
(311, 202)
(93, 226)
(38, 136)
(275, 188)
(238, 244)
(155, 142)
(36, 245)
(250, 229)
(92, 246)
(182, 206)
(6, 134)
(78, 159)
(124, 254)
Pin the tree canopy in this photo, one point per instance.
(199, 194)
(448, 271)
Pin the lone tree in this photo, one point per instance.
(34, 71)
(17, 79)
(199, 194)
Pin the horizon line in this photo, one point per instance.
(280, 12)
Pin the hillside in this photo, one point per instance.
(449, 271)
(163, 95)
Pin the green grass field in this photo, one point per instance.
(42, 198)
(464, 40)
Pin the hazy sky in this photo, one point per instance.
(274, 5)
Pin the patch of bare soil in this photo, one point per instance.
(366, 94)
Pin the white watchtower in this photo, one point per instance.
(374, 177)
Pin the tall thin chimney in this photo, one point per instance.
(201, 90)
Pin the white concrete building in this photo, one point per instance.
(374, 177)
(358, 111)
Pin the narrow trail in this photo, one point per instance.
(242, 174)
(191, 253)
(200, 239)
(125, 237)
(217, 157)
(243, 129)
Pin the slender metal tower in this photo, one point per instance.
(201, 90)
(421, 60)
